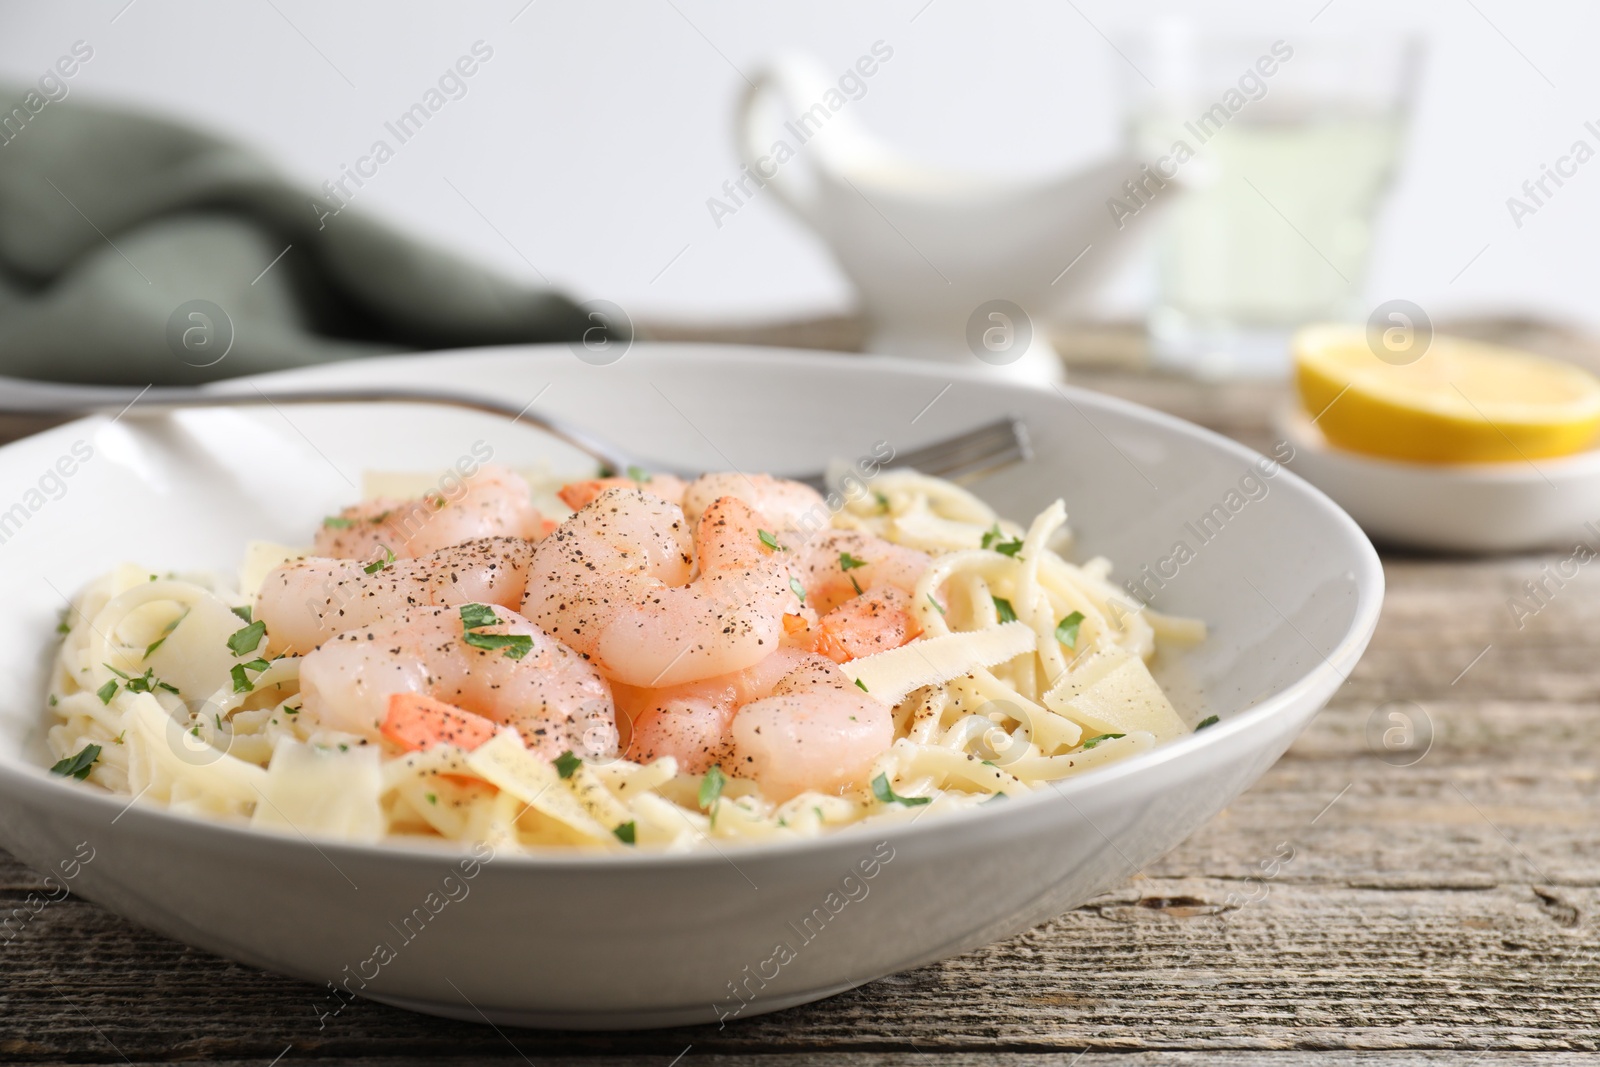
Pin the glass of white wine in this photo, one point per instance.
(1268, 160)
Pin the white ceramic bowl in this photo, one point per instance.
(1288, 583)
(1471, 507)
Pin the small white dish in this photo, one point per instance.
(1290, 586)
(1478, 507)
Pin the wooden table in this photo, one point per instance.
(1443, 912)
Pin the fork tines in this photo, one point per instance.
(976, 452)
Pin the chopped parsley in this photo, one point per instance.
(625, 833)
(144, 683)
(337, 522)
(567, 763)
(883, 501)
(53, 700)
(848, 563)
(998, 541)
(1093, 741)
(639, 474)
(62, 625)
(1067, 629)
(711, 787)
(290, 711)
(166, 632)
(769, 540)
(168, 629)
(475, 616)
(433, 798)
(1003, 608)
(243, 611)
(863, 686)
(244, 641)
(515, 645)
(241, 680)
(799, 590)
(380, 562)
(605, 472)
(936, 605)
(79, 764)
(1209, 720)
(882, 790)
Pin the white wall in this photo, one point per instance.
(594, 135)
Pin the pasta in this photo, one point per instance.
(1022, 669)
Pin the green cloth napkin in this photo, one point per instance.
(113, 223)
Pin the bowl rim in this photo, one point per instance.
(18, 774)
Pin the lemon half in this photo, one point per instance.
(1459, 402)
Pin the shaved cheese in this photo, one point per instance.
(323, 791)
(260, 559)
(596, 798)
(1113, 692)
(195, 655)
(504, 763)
(891, 676)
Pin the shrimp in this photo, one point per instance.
(550, 695)
(614, 583)
(782, 504)
(816, 730)
(837, 565)
(876, 621)
(494, 502)
(689, 722)
(307, 601)
(792, 722)
(578, 495)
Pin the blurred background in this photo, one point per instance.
(587, 151)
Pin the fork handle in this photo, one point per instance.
(21, 397)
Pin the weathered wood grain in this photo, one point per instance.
(1159, 964)
(1294, 969)
(1429, 914)
(1082, 1058)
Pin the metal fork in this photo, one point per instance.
(967, 455)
